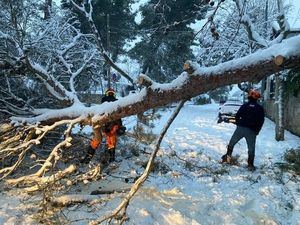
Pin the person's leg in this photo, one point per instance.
(250, 139)
(95, 142)
(111, 143)
(237, 135)
(112, 154)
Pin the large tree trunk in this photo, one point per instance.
(195, 81)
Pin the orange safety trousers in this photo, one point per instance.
(97, 138)
(111, 137)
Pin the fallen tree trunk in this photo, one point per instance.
(67, 200)
(194, 81)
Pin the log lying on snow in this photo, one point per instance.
(67, 200)
(196, 80)
(104, 192)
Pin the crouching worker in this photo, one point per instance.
(249, 120)
(109, 131)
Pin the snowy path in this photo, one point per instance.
(236, 197)
(190, 195)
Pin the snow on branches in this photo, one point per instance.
(48, 58)
(54, 55)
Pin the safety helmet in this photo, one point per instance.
(254, 94)
(110, 91)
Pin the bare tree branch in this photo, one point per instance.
(253, 35)
(139, 182)
(88, 15)
(251, 68)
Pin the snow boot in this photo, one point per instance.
(112, 153)
(227, 157)
(89, 155)
(251, 166)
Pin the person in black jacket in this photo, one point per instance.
(109, 131)
(112, 128)
(249, 121)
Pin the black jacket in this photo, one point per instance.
(109, 125)
(109, 98)
(251, 115)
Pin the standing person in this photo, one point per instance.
(110, 131)
(249, 120)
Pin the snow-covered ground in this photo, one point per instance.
(195, 188)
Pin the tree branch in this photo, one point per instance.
(252, 68)
(139, 182)
(98, 39)
(253, 35)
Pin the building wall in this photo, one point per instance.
(291, 113)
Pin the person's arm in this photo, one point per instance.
(239, 113)
(261, 119)
(114, 129)
(103, 99)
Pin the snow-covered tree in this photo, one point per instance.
(166, 37)
(238, 28)
(260, 24)
(43, 62)
(52, 57)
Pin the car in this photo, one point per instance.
(228, 110)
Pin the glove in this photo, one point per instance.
(121, 130)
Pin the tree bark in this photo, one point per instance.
(184, 87)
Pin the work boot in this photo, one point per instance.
(227, 157)
(112, 153)
(89, 155)
(251, 166)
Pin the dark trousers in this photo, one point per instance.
(248, 134)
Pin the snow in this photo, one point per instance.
(236, 93)
(294, 14)
(229, 195)
(288, 48)
(135, 9)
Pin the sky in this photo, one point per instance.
(294, 15)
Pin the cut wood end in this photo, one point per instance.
(278, 60)
(140, 80)
(144, 80)
(187, 67)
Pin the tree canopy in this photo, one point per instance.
(166, 36)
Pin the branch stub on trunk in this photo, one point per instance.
(187, 67)
(278, 60)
